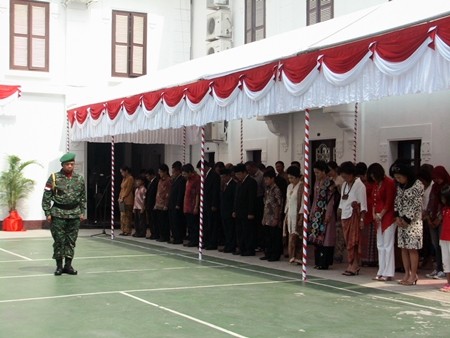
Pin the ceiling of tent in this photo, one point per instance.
(396, 48)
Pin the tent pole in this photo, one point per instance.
(355, 133)
(305, 196)
(202, 189)
(112, 187)
(242, 141)
(67, 134)
(184, 144)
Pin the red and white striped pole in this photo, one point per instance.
(67, 134)
(305, 197)
(184, 144)
(202, 189)
(242, 141)
(355, 133)
(112, 186)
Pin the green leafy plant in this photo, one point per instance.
(13, 184)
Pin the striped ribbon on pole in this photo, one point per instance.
(305, 196)
(112, 186)
(67, 134)
(184, 144)
(242, 141)
(202, 189)
(355, 133)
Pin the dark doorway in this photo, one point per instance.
(138, 157)
(410, 150)
(254, 155)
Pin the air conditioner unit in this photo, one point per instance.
(214, 4)
(217, 46)
(218, 25)
(215, 132)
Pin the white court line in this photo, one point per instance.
(17, 255)
(87, 257)
(178, 288)
(384, 298)
(311, 282)
(218, 328)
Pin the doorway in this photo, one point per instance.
(138, 157)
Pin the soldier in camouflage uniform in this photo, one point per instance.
(66, 190)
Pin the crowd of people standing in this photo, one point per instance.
(355, 211)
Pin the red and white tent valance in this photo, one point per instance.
(8, 93)
(412, 59)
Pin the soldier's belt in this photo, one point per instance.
(65, 206)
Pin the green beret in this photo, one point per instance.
(67, 157)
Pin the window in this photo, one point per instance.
(255, 20)
(29, 35)
(129, 44)
(319, 11)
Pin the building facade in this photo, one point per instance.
(92, 45)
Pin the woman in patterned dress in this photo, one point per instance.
(408, 212)
(322, 229)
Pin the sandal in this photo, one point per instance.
(445, 288)
(385, 279)
(377, 277)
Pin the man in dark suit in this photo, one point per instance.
(211, 205)
(226, 209)
(176, 199)
(150, 198)
(245, 211)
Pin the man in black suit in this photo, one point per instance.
(150, 198)
(211, 205)
(227, 196)
(245, 211)
(176, 199)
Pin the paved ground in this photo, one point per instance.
(132, 287)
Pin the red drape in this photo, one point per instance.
(7, 91)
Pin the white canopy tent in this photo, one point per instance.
(395, 48)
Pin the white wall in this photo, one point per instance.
(34, 127)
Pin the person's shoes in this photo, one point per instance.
(211, 247)
(221, 249)
(264, 258)
(236, 252)
(273, 259)
(152, 237)
(248, 253)
(386, 279)
(177, 242)
(161, 240)
(58, 271)
(227, 250)
(432, 274)
(322, 267)
(69, 270)
(445, 288)
(134, 235)
(439, 275)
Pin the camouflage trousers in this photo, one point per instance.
(64, 232)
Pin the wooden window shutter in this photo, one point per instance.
(138, 44)
(129, 44)
(29, 42)
(120, 44)
(39, 37)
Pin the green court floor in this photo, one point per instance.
(132, 289)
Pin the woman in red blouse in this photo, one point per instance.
(383, 195)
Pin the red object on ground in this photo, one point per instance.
(13, 222)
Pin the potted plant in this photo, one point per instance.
(13, 187)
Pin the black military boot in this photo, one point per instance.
(68, 267)
(59, 267)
